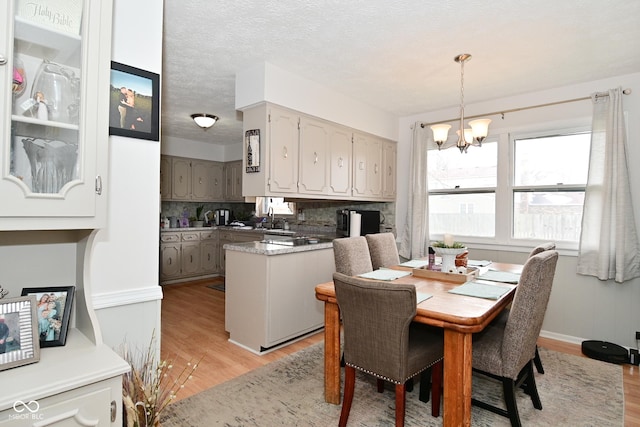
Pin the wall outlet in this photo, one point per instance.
(634, 358)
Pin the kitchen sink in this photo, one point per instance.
(296, 241)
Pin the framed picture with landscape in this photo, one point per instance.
(134, 102)
(53, 310)
(18, 332)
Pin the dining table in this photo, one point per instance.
(460, 316)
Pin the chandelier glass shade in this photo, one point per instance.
(205, 121)
(479, 128)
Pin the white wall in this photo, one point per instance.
(581, 307)
(124, 268)
(266, 82)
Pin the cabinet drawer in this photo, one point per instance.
(169, 237)
(207, 235)
(190, 237)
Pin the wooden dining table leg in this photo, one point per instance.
(457, 378)
(331, 353)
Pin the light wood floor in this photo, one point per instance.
(193, 326)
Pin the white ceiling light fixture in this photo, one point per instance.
(205, 121)
(466, 137)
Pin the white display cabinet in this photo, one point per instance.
(54, 113)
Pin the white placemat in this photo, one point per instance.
(385, 274)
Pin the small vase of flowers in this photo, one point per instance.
(448, 250)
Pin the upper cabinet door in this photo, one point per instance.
(314, 156)
(340, 161)
(283, 151)
(54, 113)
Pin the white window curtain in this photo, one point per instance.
(609, 245)
(414, 242)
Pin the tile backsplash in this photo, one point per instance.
(317, 213)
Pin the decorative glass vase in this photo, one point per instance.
(449, 258)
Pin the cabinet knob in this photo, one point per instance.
(3, 60)
(285, 154)
(340, 162)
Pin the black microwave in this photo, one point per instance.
(369, 222)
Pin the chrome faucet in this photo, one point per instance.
(272, 217)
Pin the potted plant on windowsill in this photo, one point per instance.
(198, 221)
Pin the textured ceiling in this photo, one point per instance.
(396, 55)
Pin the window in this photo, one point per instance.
(549, 175)
(537, 194)
(280, 207)
(462, 190)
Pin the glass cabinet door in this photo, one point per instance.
(49, 134)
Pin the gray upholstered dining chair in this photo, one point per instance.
(381, 339)
(383, 250)
(504, 349)
(537, 361)
(351, 255)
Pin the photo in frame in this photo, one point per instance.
(53, 310)
(134, 103)
(18, 332)
(252, 141)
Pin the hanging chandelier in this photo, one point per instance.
(466, 137)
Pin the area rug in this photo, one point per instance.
(575, 391)
(217, 287)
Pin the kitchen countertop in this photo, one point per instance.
(227, 228)
(261, 248)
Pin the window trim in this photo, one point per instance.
(505, 188)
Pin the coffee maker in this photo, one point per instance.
(221, 216)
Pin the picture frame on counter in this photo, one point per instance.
(252, 141)
(53, 311)
(134, 102)
(18, 332)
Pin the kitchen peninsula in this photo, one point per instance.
(270, 290)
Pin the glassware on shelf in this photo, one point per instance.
(58, 88)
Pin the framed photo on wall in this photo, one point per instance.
(134, 102)
(53, 310)
(252, 141)
(18, 332)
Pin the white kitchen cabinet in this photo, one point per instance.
(314, 146)
(283, 150)
(185, 179)
(54, 152)
(367, 167)
(274, 300)
(340, 162)
(170, 259)
(233, 174)
(303, 156)
(190, 253)
(216, 181)
(389, 161)
(180, 178)
(200, 180)
(165, 177)
(209, 252)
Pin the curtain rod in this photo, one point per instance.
(503, 112)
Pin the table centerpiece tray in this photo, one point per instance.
(470, 274)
